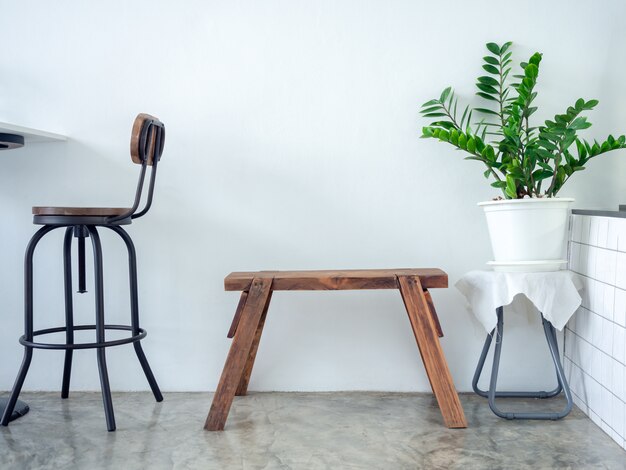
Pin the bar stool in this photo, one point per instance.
(146, 147)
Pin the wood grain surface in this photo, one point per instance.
(336, 279)
(80, 211)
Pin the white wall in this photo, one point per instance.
(292, 144)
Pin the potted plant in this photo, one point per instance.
(529, 164)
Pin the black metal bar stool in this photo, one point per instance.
(146, 147)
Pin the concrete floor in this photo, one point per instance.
(346, 430)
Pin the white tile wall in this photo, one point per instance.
(595, 337)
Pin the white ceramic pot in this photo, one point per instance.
(528, 234)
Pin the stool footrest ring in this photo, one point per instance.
(105, 344)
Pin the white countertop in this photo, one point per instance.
(31, 135)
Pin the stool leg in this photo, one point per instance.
(554, 350)
(552, 344)
(100, 338)
(494, 370)
(481, 364)
(134, 311)
(28, 323)
(69, 310)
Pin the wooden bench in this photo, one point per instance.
(256, 291)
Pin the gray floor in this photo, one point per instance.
(295, 431)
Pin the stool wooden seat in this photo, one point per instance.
(81, 211)
(63, 216)
(256, 292)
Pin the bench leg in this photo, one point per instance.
(434, 360)
(237, 316)
(433, 312)
(239, 353)
(242, 389)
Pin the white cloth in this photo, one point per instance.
(555, 294)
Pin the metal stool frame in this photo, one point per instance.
(491, 394)
(146, 149)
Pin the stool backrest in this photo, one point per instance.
(146, 146)
(147, 139)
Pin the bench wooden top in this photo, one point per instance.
(336, 279)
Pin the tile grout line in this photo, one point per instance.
(587, 404)
(592, 378)
(597, 314)
(596, 347)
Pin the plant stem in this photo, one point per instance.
(449, 114)
(501, 92)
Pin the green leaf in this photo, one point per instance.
(491, 60)
(489, 153)
(505, 46)
(486, 111)
(493, 48)
(480, 145)
(432, 109)
(462, 142)
(431, 103)
(582, 151)
(530, 111)
(435, 114)
(535, 59)
(595, 149)
(488, 81)
(471, 145)
(497, 184)
(531, 71)
(444, 124)
(511, 187)
(547, 145)
(540, 175)
(491, 69)
(591, 104)
(486, 96)
(444, 94)
(487, 88)
(454, 137)
(580, 123)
